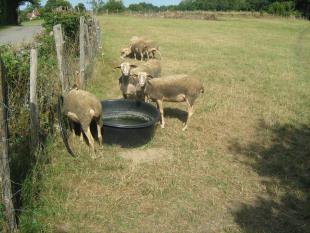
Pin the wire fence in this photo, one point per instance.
(32, 78)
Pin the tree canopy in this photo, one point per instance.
(111, 6)
(52, 4)
(8, 10)
(279, 7)
(80, 7)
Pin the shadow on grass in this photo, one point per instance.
(284, 157)
(176, 113)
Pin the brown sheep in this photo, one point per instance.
(174, 88)
(151, 49)
(127, 52)
(129, 80)
(82, 107)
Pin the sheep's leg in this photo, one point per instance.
(71, 125)
(161, 110)
(90, 138)
(190, 111)
(135, 55)
(141, 54)
(81, 136)
(99, 133)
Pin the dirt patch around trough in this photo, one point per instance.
(146, 155)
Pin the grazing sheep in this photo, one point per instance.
(134, 39)
(151, 49)
(127, 52)
(82, 107)
(174, 88)
(139, 48)
(128, 82)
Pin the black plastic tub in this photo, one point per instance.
(128, 123)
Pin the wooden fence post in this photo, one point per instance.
(88, 45)
(98, 33)
(82, 53)
(94, 35)
(34, 117)
(4, 154)
(59, 50)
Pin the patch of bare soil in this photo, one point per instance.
(146, 155)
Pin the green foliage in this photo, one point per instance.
(304, 7)
(142, 6)
(80, 7)
(52, 4)
(281, 8)
(112, 6)
(2, 217)
(70, 22)
(96, 4)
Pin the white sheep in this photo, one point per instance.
(174, 88)
(82, 107)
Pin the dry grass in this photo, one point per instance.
(242, 165)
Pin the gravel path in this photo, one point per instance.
(18, 34)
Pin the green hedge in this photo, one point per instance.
(70, 22)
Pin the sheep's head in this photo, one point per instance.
(143, 77)
(153, 51)
(125, 52)
(128, 86)
(125, 68)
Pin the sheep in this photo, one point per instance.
(151, 49)
(138, 48)
(82, 107)
(152, 67)
(174, 88)
(127, 52)
(129, 80)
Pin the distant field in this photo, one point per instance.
(242, 166)
(33, 22)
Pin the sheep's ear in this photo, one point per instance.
(117, 67)
(133, 66)
(149, 76)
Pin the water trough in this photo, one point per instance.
(128, 123)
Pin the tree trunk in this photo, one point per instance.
(8, 12)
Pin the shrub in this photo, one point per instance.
(113, 6)
(52, 4)
(70, 22)
(282, 8)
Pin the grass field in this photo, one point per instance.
(33, 22)
(242, 166)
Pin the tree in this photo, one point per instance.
(52, 4)
(304, 7)
(113, 6)
(142, 6)
(9, 8)
(80, 7)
